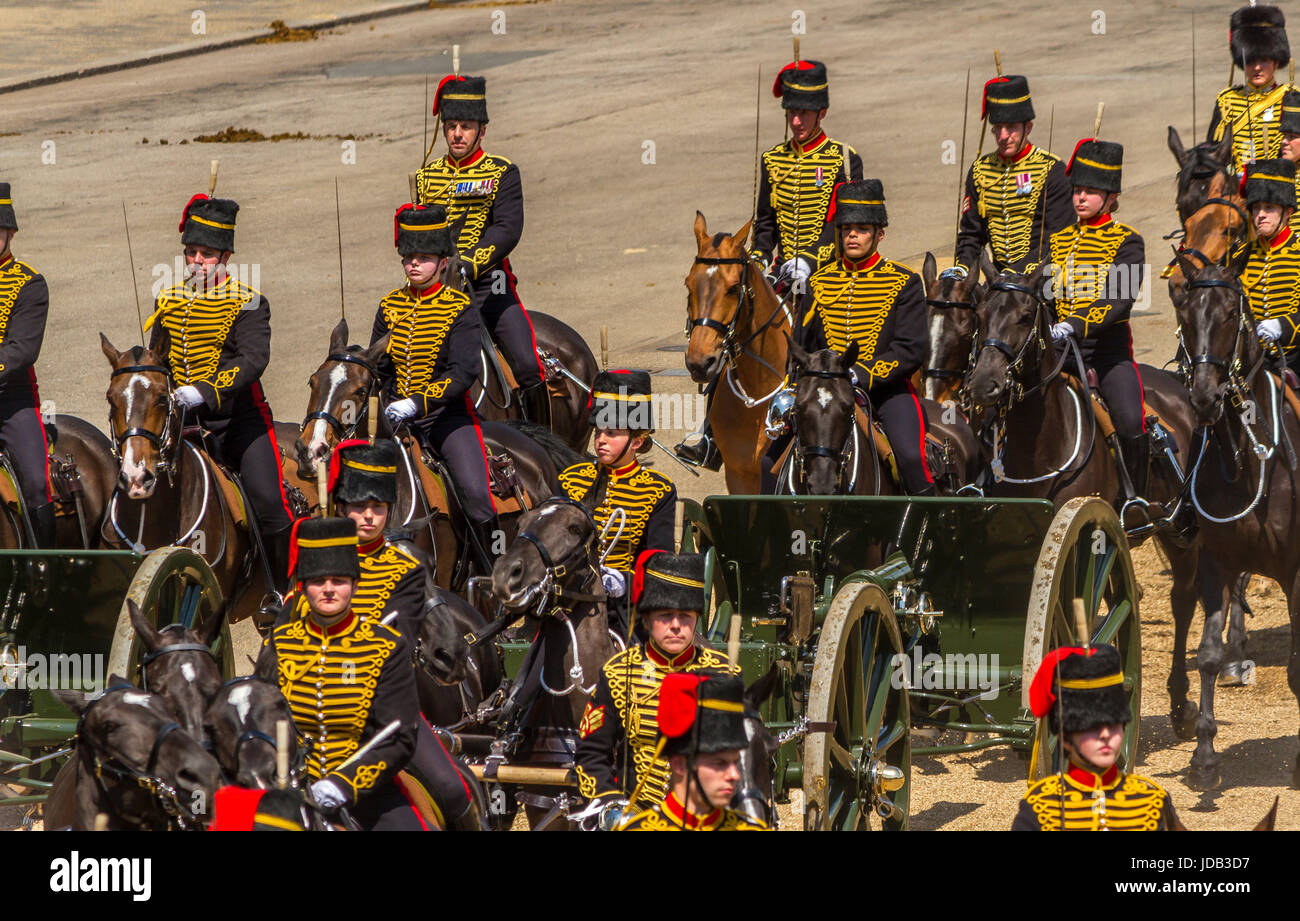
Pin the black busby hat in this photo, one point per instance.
(8, 221)
(1258, 33)
(860, 202)
(1078, 689)
(803, 85)
(1096, 164)
(320, 547)
(461, 99)
(422, 229)
(668, 581)
(1006, 101)
(1289, 123)
(360, 470)
(209, 222)
(702, 713)
(621, 400)
(1271, 181)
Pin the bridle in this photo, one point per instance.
(842, 456)
(340, 429)
(1231, 367)
(1014, 390)
(256, 735)
(731, 348)
(164, 650)
(579, 557)
(947, 374)
(165, 441)
(1184, 249)
(178, 812)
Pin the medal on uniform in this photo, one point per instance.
(820, 180)
(1024, 183)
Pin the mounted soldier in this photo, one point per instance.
(214, 333)
(1269, 266)
(703, 724)
(1289, 124)
(796, 181)
(1016, 196)
(24, 305)
(1081, 694)
(1099, 265)
(880, 305)
(484, 192)
(1257, 43)
(616, 482)
(617, 755)
(348, 681)
(431, 361)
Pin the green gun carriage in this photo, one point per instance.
(67, 611)
(877, 613)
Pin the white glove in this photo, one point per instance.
(399, 411)
(327, 794)
(614, 581)
(1062, 330)
(796, 269)
(1269, 330)
(188, 396)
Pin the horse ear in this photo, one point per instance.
(377, 350)
(1176, 146)
(73, 700)
(110, 351)
(987, 268)
(212, 629)
(741, 236)
(1223, 153)
(929, 271)
(1237, 261)
(850, 357)
(761, 689)
(797, 354)
(1188, 267)
(701, 230)
(1036, 278)
(1269, 822)
(151, 638)
(339, 337)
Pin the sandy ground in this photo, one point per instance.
(625, 118)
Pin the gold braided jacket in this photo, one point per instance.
(486, 192)
(1271, 280)
(1084, 801)
(24, 305)
(671, 815)
(1250, 113)
(794, 194)
(645, 495)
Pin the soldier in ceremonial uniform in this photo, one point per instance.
(1258, 45)
(1099, 264)
(214, 334)
(485, 191)
(879, 304)
(431, 362)
(1081, 693)
(24, 304)
(1270, 264)
(347, 679)
(616, 753)
(1290, 150)
(703, 724)
(1017, 196)
(621, 413)
(796, 180)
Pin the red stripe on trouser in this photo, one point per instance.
(532, 334)
(264, 409)
(45, 442)
(920, 418)
(1142, 393)
(469, 798)
(410, 804)
(469, 408)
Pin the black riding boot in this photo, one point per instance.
(482, 537)
(1137, 455)
(43, 526)
(535, 402)
(698, 447)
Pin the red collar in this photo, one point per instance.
(1282, 236)
(1100, 220)
(343, 625)
(869, 263)
(812, 145)
(679, 813)
(1091, 780)
(427, 292)
(7, 259)
(473, 158)
(626, 470)
(1024, 152)
(657, 656)
(367, 549)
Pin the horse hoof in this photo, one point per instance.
(1202, 779)
(1230, 675)
(1184, 722)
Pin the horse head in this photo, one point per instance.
(240, 721)
(1215, 331)
(1197, 168)
(717, 286)
(143, 419)
(950, 299)
(1014, 319)
(1211, 230)
(441, 649)
(555, 544)
(179, 665)
(340, 398)
(129, 741)
(823, 416)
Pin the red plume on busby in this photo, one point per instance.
(337, 458)
(793, 65)
(678, 702)
(185, 214)
(830, 211)
(638, 576)
(437, 96)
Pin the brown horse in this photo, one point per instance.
(1211, 231)
(1197, 168)
(1243, 483)
(950, 309)
(736, 330)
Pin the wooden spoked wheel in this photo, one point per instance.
(856, 776)
(1085, 555)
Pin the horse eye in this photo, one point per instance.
(574, 530)
(734, 290)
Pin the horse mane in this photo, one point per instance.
(559, 451)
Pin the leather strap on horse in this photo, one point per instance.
(883, 447)
(1099, 409)
(1292, 399)
(234, 496)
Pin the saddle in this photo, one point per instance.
(936, 451)
(502, 476)
(1100, 410)
(421, 800)
(66, 487)
(496, 364)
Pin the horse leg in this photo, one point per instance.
(1188, 577)
(1204, 772)
(1235, 654)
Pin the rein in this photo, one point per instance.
(343, 431)
(164, 650)
(846, 453)
(164, 441)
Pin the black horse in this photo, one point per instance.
(179, 665)
(240, 722)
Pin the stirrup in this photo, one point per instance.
(1147, 524)
(699, 450)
